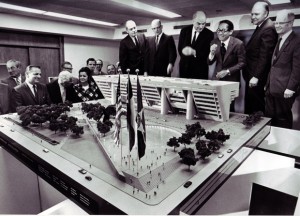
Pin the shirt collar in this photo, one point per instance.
(226, 42)
(29, 84)
(285, 35)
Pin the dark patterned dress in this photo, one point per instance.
(92, 93)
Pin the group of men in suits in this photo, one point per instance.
(20, 90)
(198, 49)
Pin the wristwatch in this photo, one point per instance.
(228, 72)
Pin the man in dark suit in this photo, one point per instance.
(132, 50)
(193, 48)
(61, 89)
(284, 78)
(6, 99)
(31, 92)
(162, 53)
(259, 51)
(229, 54)
(15, 78)
(14, 69)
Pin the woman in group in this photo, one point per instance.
(87, 89)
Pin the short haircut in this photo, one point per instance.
(64, 76)
(111, 65)
(64, 63)
(90, 59)
(29, 67)
(17, 63)
(229, 24)
(99, 60)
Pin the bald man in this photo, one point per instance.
(132, 50)
(283, 82)
(194, 47)
(259, 51)
(162, 52)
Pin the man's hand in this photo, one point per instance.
(213, 49)
(288, 93)
(222, 74)
(189, 51)
(253, 82)
(169, 69)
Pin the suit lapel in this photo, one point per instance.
(229, 48)
(256, 32)
(162, 38)
(284, 45)
(30, 92)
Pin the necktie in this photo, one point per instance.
(277, 48)
(136, 42)
(63, 94)
(223, 51)
(257, 27)
(17, 81)
(35, 91)
(156, 41)
(194, 39)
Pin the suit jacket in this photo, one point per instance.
(6, 99)
(190, 66)
(157, 60)
(259, 52)
(11, 82)
(55, 94)
(285, 69)
(234, 59)
(24, 96)
(131, 56)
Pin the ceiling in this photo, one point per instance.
(109, 11)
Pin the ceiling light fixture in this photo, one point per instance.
(20, 8)
(149, 8)
(275, 2)
(81, 19)
(59, 15)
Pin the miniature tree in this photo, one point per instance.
(195, 130)
(77, 130)
(189, 159)
(186, 151)
(253, 118)
(108, 123)
(54, 125)
(203, 149)
(173, 142)
(103, 128)
(185, 139)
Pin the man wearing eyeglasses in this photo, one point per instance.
(229, 54)
(98, 68)
(67, 66)
(162, 52)
(31, 92)
(283, 82)
(193, 48)
(259, 51)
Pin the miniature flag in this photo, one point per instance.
(140, 121)
(130, 115)
(118, 114)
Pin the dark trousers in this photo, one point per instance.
(254, 99)
(280, 110)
